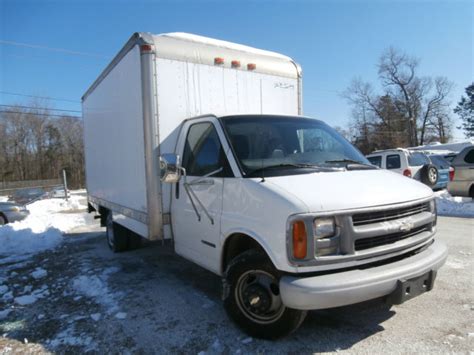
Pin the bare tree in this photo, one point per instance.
(412, 110)
(36, 145)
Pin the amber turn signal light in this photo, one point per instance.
(300, 240)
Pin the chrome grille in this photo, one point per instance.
(361, 219)
(366, 243)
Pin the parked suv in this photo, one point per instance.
(412, 164)
(462, 183)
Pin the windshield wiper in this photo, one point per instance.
(290, 165)
(352, 164)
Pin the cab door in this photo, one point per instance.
(196, 206)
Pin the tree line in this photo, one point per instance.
(408, 110)
(37, 144)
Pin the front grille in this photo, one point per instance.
(361, 219)
(367, 243)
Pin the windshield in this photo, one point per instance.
(287, 143)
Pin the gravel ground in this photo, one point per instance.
(81, 297)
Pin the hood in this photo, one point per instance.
(344, 190)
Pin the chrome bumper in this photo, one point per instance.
(349, 287)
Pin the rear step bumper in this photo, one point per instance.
(349, 287)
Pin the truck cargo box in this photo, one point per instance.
(133, 111)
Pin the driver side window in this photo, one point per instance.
(203, 152)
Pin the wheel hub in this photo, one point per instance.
(257, 298)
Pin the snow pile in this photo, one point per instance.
(3, 198)
(43, 228)
(448, 205)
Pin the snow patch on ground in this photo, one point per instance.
(3, 198)
(42, 229)
(93, 285)
(69, 337)
(4, 314)
(121, 315)
(454, 206)
(96, 316)
(39, 273)
(25, 300)
(30, 298)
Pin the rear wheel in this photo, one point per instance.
(3, 220)
(252, 297)
(429, 175)
(117, 238)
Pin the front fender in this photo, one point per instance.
(260, 240)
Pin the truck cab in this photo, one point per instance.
(268, 198)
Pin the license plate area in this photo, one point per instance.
(408, 289)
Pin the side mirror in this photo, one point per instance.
(170, 170)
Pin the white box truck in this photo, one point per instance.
(202, 142)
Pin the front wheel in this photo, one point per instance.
(252, 297)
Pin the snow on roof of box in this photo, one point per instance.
(197, 49)
(223, 44)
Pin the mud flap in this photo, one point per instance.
(408, 289)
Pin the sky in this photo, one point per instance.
(58, 48)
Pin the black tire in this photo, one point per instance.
(429, 175)
(242, 297)
(3, 220)
(117, 236)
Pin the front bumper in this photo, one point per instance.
(349, 287)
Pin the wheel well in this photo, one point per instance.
(471, 191)
(4, 217)
(236, 244)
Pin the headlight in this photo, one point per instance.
(325, 240)
(324, 227)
